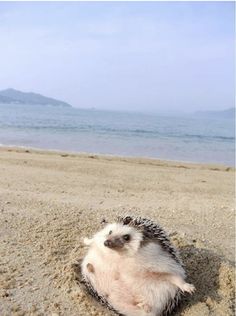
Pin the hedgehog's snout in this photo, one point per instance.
(107, 243)
(114, 243)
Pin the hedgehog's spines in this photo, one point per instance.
(152, 231)
(172, 305)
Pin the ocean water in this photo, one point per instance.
(118, 133)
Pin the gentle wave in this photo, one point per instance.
(125, 132)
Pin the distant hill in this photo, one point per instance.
(229, 113)
(12, 96)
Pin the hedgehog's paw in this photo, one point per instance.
(144, 306)
(87, 241)
(90, 268)
(187, 287)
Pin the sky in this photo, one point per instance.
(165, 57)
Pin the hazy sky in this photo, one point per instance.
(155, 56)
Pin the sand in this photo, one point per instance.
(50, 200)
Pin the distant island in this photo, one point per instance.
(228, 113)
(12, 96)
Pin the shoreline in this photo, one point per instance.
(137, 159)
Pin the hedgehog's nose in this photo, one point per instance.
(107, 243)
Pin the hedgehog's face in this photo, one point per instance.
(119, 238)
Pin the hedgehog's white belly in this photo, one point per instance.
(104, 276)
(124, 287)
(153, 293)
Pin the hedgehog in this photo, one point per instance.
(132, 268)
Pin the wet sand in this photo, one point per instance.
(49, 201)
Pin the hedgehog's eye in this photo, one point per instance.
(110, 232)
(126, 237)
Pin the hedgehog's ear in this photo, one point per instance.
(125, 220)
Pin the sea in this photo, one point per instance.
(188, 138)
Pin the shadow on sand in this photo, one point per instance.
(203, 270)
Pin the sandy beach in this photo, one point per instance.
(49, 201)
